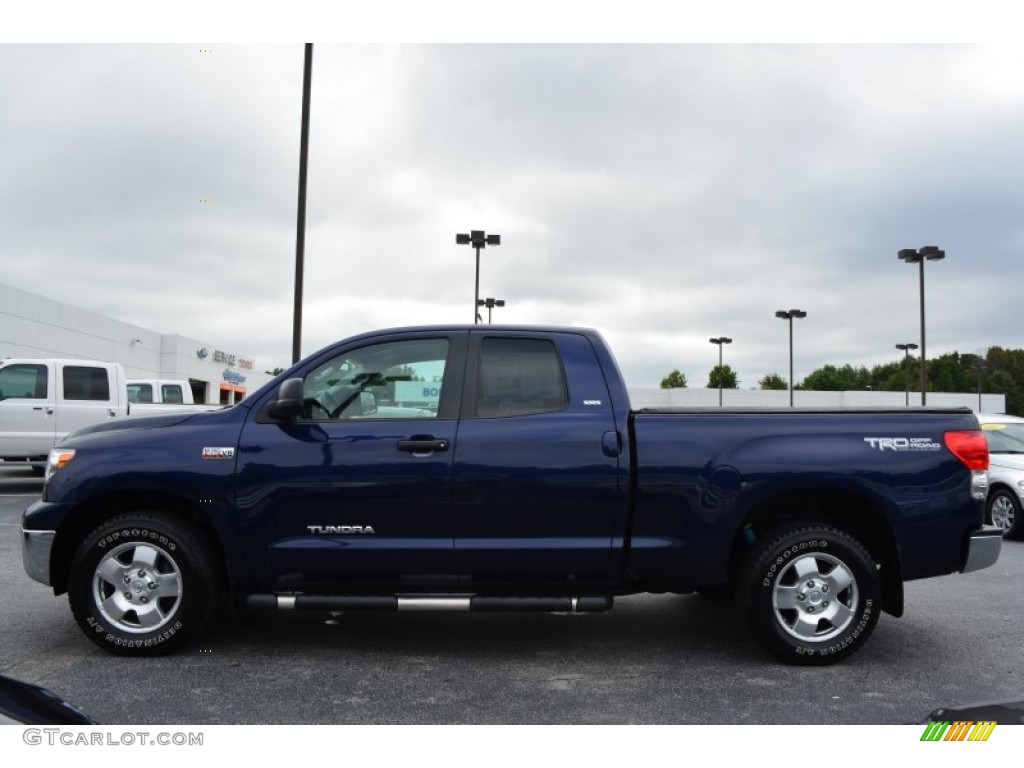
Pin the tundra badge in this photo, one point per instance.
(340, 528)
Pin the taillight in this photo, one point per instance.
(970, 447)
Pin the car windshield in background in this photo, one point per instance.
(1004, 438)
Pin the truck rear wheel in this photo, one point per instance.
(811, 593)
(143, 584)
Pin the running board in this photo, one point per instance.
(428, 603)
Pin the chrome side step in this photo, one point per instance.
(300, 601)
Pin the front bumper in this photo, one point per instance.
(35, 553)
(983, 548)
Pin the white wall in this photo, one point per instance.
(34, 326)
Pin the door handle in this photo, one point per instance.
(422, 445)
(611, 444)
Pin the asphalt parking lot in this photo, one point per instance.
(653, 659)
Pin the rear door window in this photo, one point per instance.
(86, 383)
(518, 377)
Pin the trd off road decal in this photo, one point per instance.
(902, 444)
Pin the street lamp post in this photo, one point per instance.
(300, 223)
(906, 358)
(789, 315)
(720, 341)
(910, 256)
(979, 366)
(478, 240)
(490, 304)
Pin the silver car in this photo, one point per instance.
(1005, 435)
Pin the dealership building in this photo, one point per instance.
(34, 326)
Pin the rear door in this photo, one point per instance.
(27, 422)
(87, 394)
(537, 464)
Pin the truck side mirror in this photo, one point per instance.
(288, 405)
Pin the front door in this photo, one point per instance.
(27, 422)
(358, 489)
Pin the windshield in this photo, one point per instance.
(1004, 438)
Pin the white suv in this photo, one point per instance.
(1005, 435)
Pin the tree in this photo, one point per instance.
(722, 376)
(888, 377)
(772, 381)
(952, 372)
(1003, 383)
(674, 380)
(275, 372)
(828, 378)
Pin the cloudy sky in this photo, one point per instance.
(662, 193)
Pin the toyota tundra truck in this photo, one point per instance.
(501, 468)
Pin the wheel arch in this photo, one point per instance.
(857, 515)
(104, 507)
(999, 485)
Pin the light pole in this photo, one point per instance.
(720, 341)
(478, 239)
(910, 256)
(789, 315)
(906, 359)
(300, 223)
(490, 304)
(979, 366)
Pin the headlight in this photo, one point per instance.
(59, 457)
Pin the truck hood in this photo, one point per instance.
(141, 423)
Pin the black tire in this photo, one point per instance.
(811, 593)
(1004, 512)
(143, 584)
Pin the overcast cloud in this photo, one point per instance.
(661, 193)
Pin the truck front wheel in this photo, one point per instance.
(812, 594)
(143, 584)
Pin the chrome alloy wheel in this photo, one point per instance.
(137, 587)
(1003, 512)
(814, 597)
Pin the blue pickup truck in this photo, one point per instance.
(501, 468)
